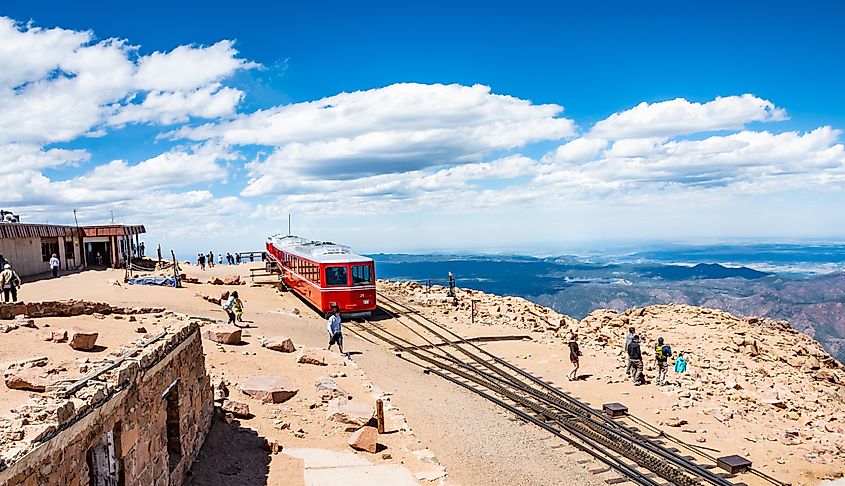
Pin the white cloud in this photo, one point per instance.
(56, 84)
(398, 128)
(167, 107)
(186, 68)
(681, 117)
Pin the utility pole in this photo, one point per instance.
(288, 224)
(112, 216)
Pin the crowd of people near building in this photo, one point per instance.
(206, 260)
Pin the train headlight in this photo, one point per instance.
(366, 301)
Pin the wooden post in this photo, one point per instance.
(380, 415)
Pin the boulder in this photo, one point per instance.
(268, 389)
(224, 296)
(364, 439)
(223, 334)
(232, 280)
(238, 409)
(328, 387)
(284, 345)
(826, 375)
(26, 379)
(82, 340)
(311, 356)
(353, 413)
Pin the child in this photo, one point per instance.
(238, 307)
(680, 363)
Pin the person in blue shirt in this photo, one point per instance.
(333, 326)
(680, 363)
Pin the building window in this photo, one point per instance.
(48, 249)
(335, 276)
(174, 435)
(69, 250)
(361, 275)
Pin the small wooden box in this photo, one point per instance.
(614, 409)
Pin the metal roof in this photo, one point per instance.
(113, 230)
(26, 230)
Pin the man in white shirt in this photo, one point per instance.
(54, 265)
(333, 326)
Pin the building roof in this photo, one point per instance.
(26, 230)
(113, 230)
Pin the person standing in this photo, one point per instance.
(54, 265)
(10, 282)
(201, 261)
(238, 307)
(334, 327)
(158, 252)
(636, 357)
(574, 354)
(220, 259)
(680, 363)
(662, 353)
(229, 306)
(628, 338)
(210, 259)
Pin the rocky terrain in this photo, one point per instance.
(742, 371)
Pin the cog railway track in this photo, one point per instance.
(622, 449)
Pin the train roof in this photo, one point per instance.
(318, 251)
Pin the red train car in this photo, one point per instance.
(324, 273)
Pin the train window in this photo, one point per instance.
(335, 275)
(361, 275)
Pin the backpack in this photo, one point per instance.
(662, 352)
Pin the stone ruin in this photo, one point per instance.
(138, 418)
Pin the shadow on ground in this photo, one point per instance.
(231, 454)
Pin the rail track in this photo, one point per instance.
(634, 457)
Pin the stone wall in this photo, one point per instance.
(150, 411)
(67, 308)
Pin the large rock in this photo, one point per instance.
(365, 439)
(268, 389)
(312, 356)
(223, 334)
(26, 379)
(329, 388)
(232, 280)
(353, 413)
(238, 409)
(285, 345)
(82, 340)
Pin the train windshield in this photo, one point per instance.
(361, 275)
(336, 276)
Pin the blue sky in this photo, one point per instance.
(416, 158)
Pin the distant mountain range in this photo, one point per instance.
(802, 284)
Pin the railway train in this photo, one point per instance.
(325, 274)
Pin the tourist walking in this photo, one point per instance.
(10, 282)
(662, 353)
(334, 328)
(220, 259)
(229, 306)
(54, 265)
(201, 261)
(141, 250)
(680, 363)
(628, 338)
(210, 259)
(636, 357)
(574, 354)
